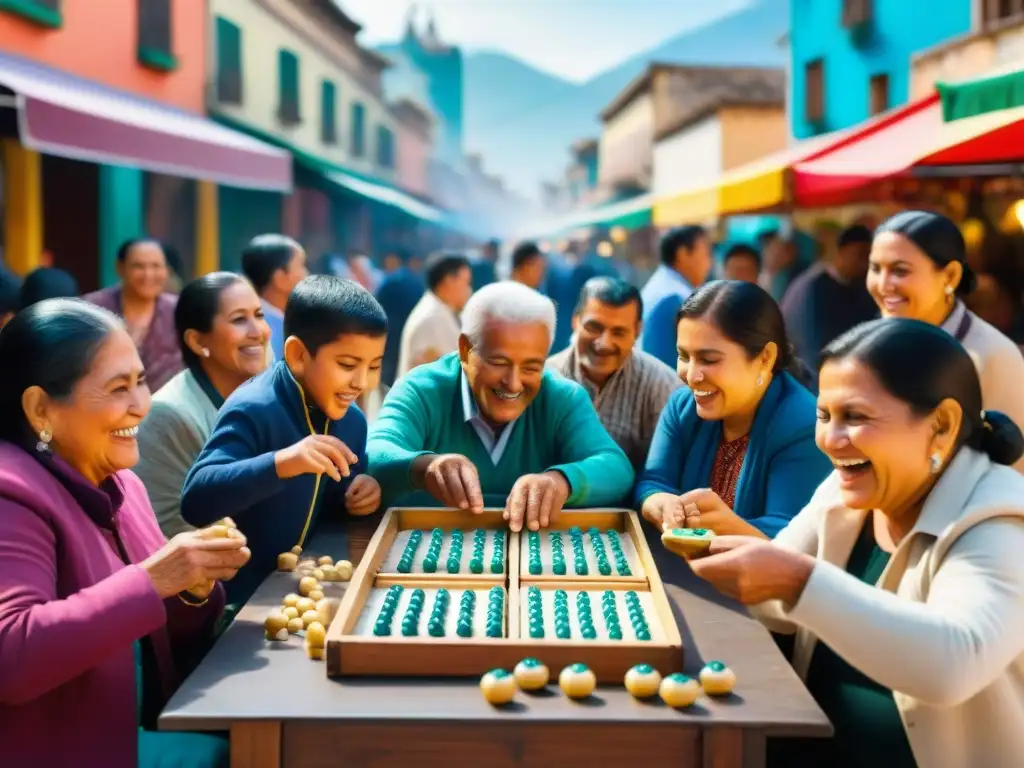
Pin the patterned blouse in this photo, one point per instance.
(725, 472)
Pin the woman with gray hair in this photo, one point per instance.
(488, 425)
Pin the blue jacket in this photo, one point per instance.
(782, 467)
(398, 294)
(235, 475)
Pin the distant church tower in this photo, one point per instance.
(441, 66)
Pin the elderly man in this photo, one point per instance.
(628, 387)
(488, 425)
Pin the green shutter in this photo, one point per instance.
(229, 46)
(45, 13)
(328, 113)
(288, 86)
(358, 130)
(385, 147)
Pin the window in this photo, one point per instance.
(288, 87)
(45, 13)
(358, 148)
(856, 13)
(998, 11)
(814, 92)
(878, 99)
(229, 62)
(328, 113)
(385, 147)
(156, 49)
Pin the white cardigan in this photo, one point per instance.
(943, 628)
(170, 438)
(1000, 365)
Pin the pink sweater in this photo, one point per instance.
(71, 611)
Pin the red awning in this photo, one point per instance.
(882, 148)
(915, 136)
(61, 114)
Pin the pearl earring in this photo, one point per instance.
(949, 290)
(45, 436)
(760, 381)
(935, 463)
(206, 352)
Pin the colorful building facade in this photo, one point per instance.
(851, 59)
(104, 137)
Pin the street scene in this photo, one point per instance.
(502, 383)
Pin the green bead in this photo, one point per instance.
(679, 677)
(498, 673)
(536, 568)
(429, 565)
(476, 566)
(465, 629)
(453, 566)
(715, 666)
(558, 568)
(614, 634)
(497, 566)
(604, 569)
(578, 667)
(537, 633)
(644, 635)
(643, 669)
(412, 631)
(382, 631)
(436, 630)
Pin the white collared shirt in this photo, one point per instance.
(495, 443)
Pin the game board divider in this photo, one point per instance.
(512, 601)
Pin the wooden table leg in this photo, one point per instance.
(256, 744)
(733, 748)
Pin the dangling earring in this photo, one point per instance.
(45, 436)
(935, 463)
(760, 380)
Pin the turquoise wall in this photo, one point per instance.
(122, 215)
(244, 213)
(900, 28)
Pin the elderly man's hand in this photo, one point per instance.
(453, 480)
(536, 498)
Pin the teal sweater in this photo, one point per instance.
(559, 430)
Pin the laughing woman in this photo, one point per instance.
(919, 270)
(733, 452)
(903, 577)
(224, 342)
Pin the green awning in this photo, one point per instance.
(365, 186)
(978, 97)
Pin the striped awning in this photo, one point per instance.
(918, 137)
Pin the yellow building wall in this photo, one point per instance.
(270, 25)
(750, 133)
(23, 207)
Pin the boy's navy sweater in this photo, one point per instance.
(235, 475)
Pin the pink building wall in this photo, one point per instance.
(413, 156)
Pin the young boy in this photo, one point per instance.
(292, 441)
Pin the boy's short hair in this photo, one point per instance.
(264, 256)
(324, 307)
(742, 250)
(525, 252)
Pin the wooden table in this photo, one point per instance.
(283, 711)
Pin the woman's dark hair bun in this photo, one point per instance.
(968, 282)
(1000, 438)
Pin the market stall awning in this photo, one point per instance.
(65, 115)
(633, 213)
(915, 136)
(996, 91)
(758, 186)
(389, 196)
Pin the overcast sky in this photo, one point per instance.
(574, 39)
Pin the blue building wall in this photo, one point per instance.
(900, 28)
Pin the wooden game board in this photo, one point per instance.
(377, 635)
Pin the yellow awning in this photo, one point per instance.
(691, 207)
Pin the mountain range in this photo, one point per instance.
(522, 120)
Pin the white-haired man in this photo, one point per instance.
(488, 426)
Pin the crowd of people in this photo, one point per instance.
(866, 455)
